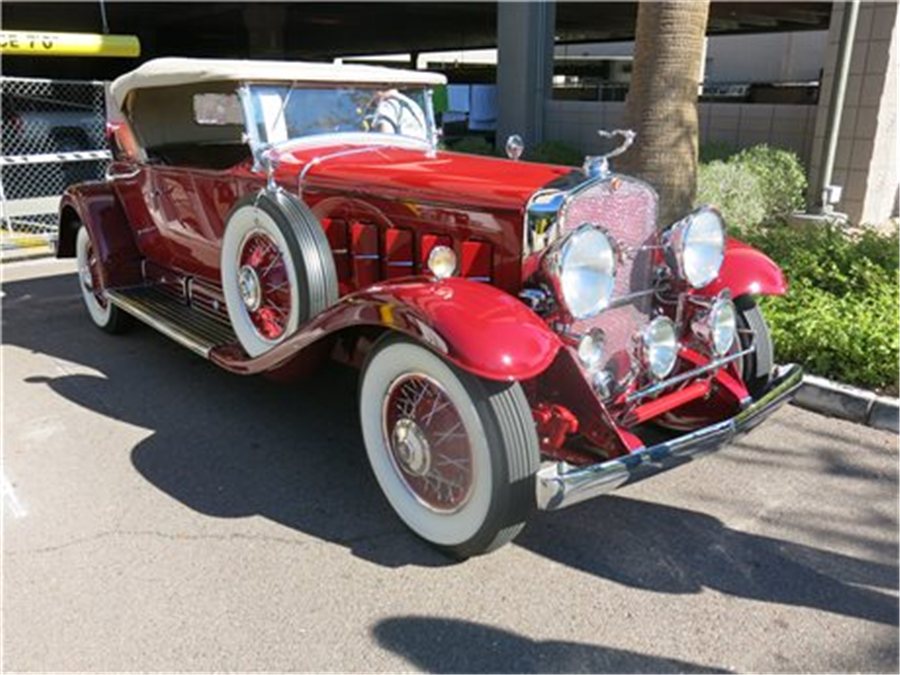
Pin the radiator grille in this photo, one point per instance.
(626, 209)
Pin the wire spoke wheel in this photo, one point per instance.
(454, 454)
(264, 285)
(428, 442)
(277, 269)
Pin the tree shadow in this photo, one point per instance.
(229, 447)
(672, 550)
(440, 645)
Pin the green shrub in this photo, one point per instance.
(781, 177)
(840, 318)
(554, 152)
(732, 189)
(473, 145)
(756, 185)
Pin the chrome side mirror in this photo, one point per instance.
(515, 146)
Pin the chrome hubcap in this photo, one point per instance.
(86, 278)
(428, 443)
(411, 447)
(248, 284)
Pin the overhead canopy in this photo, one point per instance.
(171, 71)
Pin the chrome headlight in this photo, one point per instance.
(583, 270)
(591, 348)
(659, 346)
(697, 244)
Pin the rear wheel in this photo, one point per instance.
(454, 454)
(103, 313)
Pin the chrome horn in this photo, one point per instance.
(596, 166)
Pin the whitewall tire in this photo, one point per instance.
(277, 269)
(454, 454)
(103, 313)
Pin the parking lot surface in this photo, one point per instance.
(161, 514)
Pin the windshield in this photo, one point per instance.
(282, 113)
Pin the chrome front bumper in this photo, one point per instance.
(560, 485)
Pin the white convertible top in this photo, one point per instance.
(174, 71)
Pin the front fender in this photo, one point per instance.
(96, 206)
(746, 271)
(478, 327)
(486, 331)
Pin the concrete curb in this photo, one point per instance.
(849, 403)
(29, 253)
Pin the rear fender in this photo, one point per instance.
(478, 327)
(746, 271)
(97, 207)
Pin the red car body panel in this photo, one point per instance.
(747, 271)
(96, 206)
(478, 327)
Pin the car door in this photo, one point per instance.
(183, 223)
(132, 183)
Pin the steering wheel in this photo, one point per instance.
(404, 106)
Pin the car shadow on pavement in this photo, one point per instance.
(223, 445)
(231, 447)
(666, 549)
(438, 645)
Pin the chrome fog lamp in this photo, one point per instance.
(717, 326)
(582, 269)
(723, 321)
(659, 346)
(442, 262)
(697, 246)
(591, 348)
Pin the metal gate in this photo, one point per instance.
(53, 135)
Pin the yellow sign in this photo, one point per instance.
(40, 43)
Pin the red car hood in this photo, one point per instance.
(447, 177)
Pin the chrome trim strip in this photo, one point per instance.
(687, 375)
(400, 263)
(125, 175)
(367, 256)
(560, 485)
(318, 159)
(136, 310)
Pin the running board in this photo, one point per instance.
(188, 326)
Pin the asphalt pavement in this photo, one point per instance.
(162, 514)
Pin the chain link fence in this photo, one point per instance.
(53, 135)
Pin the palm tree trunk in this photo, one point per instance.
(662, 101)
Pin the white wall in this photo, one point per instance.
(766, 57)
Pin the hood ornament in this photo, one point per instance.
(597, 166)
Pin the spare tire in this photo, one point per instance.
(277, 269)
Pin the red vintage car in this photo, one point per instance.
(528, 335)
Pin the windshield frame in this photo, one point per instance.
(260, 146)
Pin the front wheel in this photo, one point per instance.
(454, 454)
(757, 366)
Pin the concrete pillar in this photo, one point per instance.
(265, 24)
(524, 68)
(866, 161)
